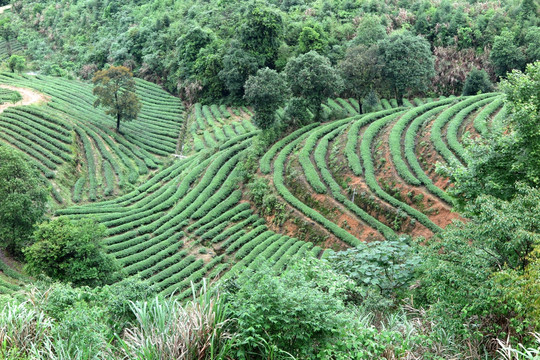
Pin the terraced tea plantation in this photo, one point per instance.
(372, 176)
(177, 219)
(67, 137)
(211, 125)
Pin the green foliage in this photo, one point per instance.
(72, 252)
(496, 163)
(115, 90)
(266, 92)
(407, 62)
(506, 55)
(21, 329)
(369, 31)
(207, 84)
(16, 63)
(181, 45)
(312, 77)
(312, 38)
(523, 289)
(360, 70)
(388, 266)
(62, 322)
(8, 31)
(197, 329)
(370, 102)
(477, 81)
(458, 268)
(190, 45)
(261, 33)
(297, 112)
(532, 39)
(523, 100)
(82, 333)
(238, 65)
(23, 198)
(268, 310)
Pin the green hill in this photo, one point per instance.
(175, 220)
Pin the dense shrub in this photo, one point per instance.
(477, 81)
(72, 252)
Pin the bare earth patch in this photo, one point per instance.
(4, 8)
(29, 97)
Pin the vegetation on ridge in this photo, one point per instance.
(299, 180)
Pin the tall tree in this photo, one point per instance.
(115, 90)
(369, 31)
(23, 198)
(312, 77)
(262, 31)
(506, 55)
(8, 32)
(266, 91)
(16, 63)
(189, 46)
(532, 39)
(407, 63)
(238, 65)
(313, 38)
(361, 71)
(477, 81)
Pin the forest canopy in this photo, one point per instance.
(217, 45)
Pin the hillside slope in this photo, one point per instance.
(74, 144)
(328, 186)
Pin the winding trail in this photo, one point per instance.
(29, 97)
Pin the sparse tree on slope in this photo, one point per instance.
(115, 90)
(312, 77)
(8, 32)
(266, 91)
(361, 71)
(407, 63)
(16, 63)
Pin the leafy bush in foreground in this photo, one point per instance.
(72, 252)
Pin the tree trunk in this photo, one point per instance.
(399, 97)
(117, 112)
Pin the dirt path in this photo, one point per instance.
(4, 8)
(29, 97)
